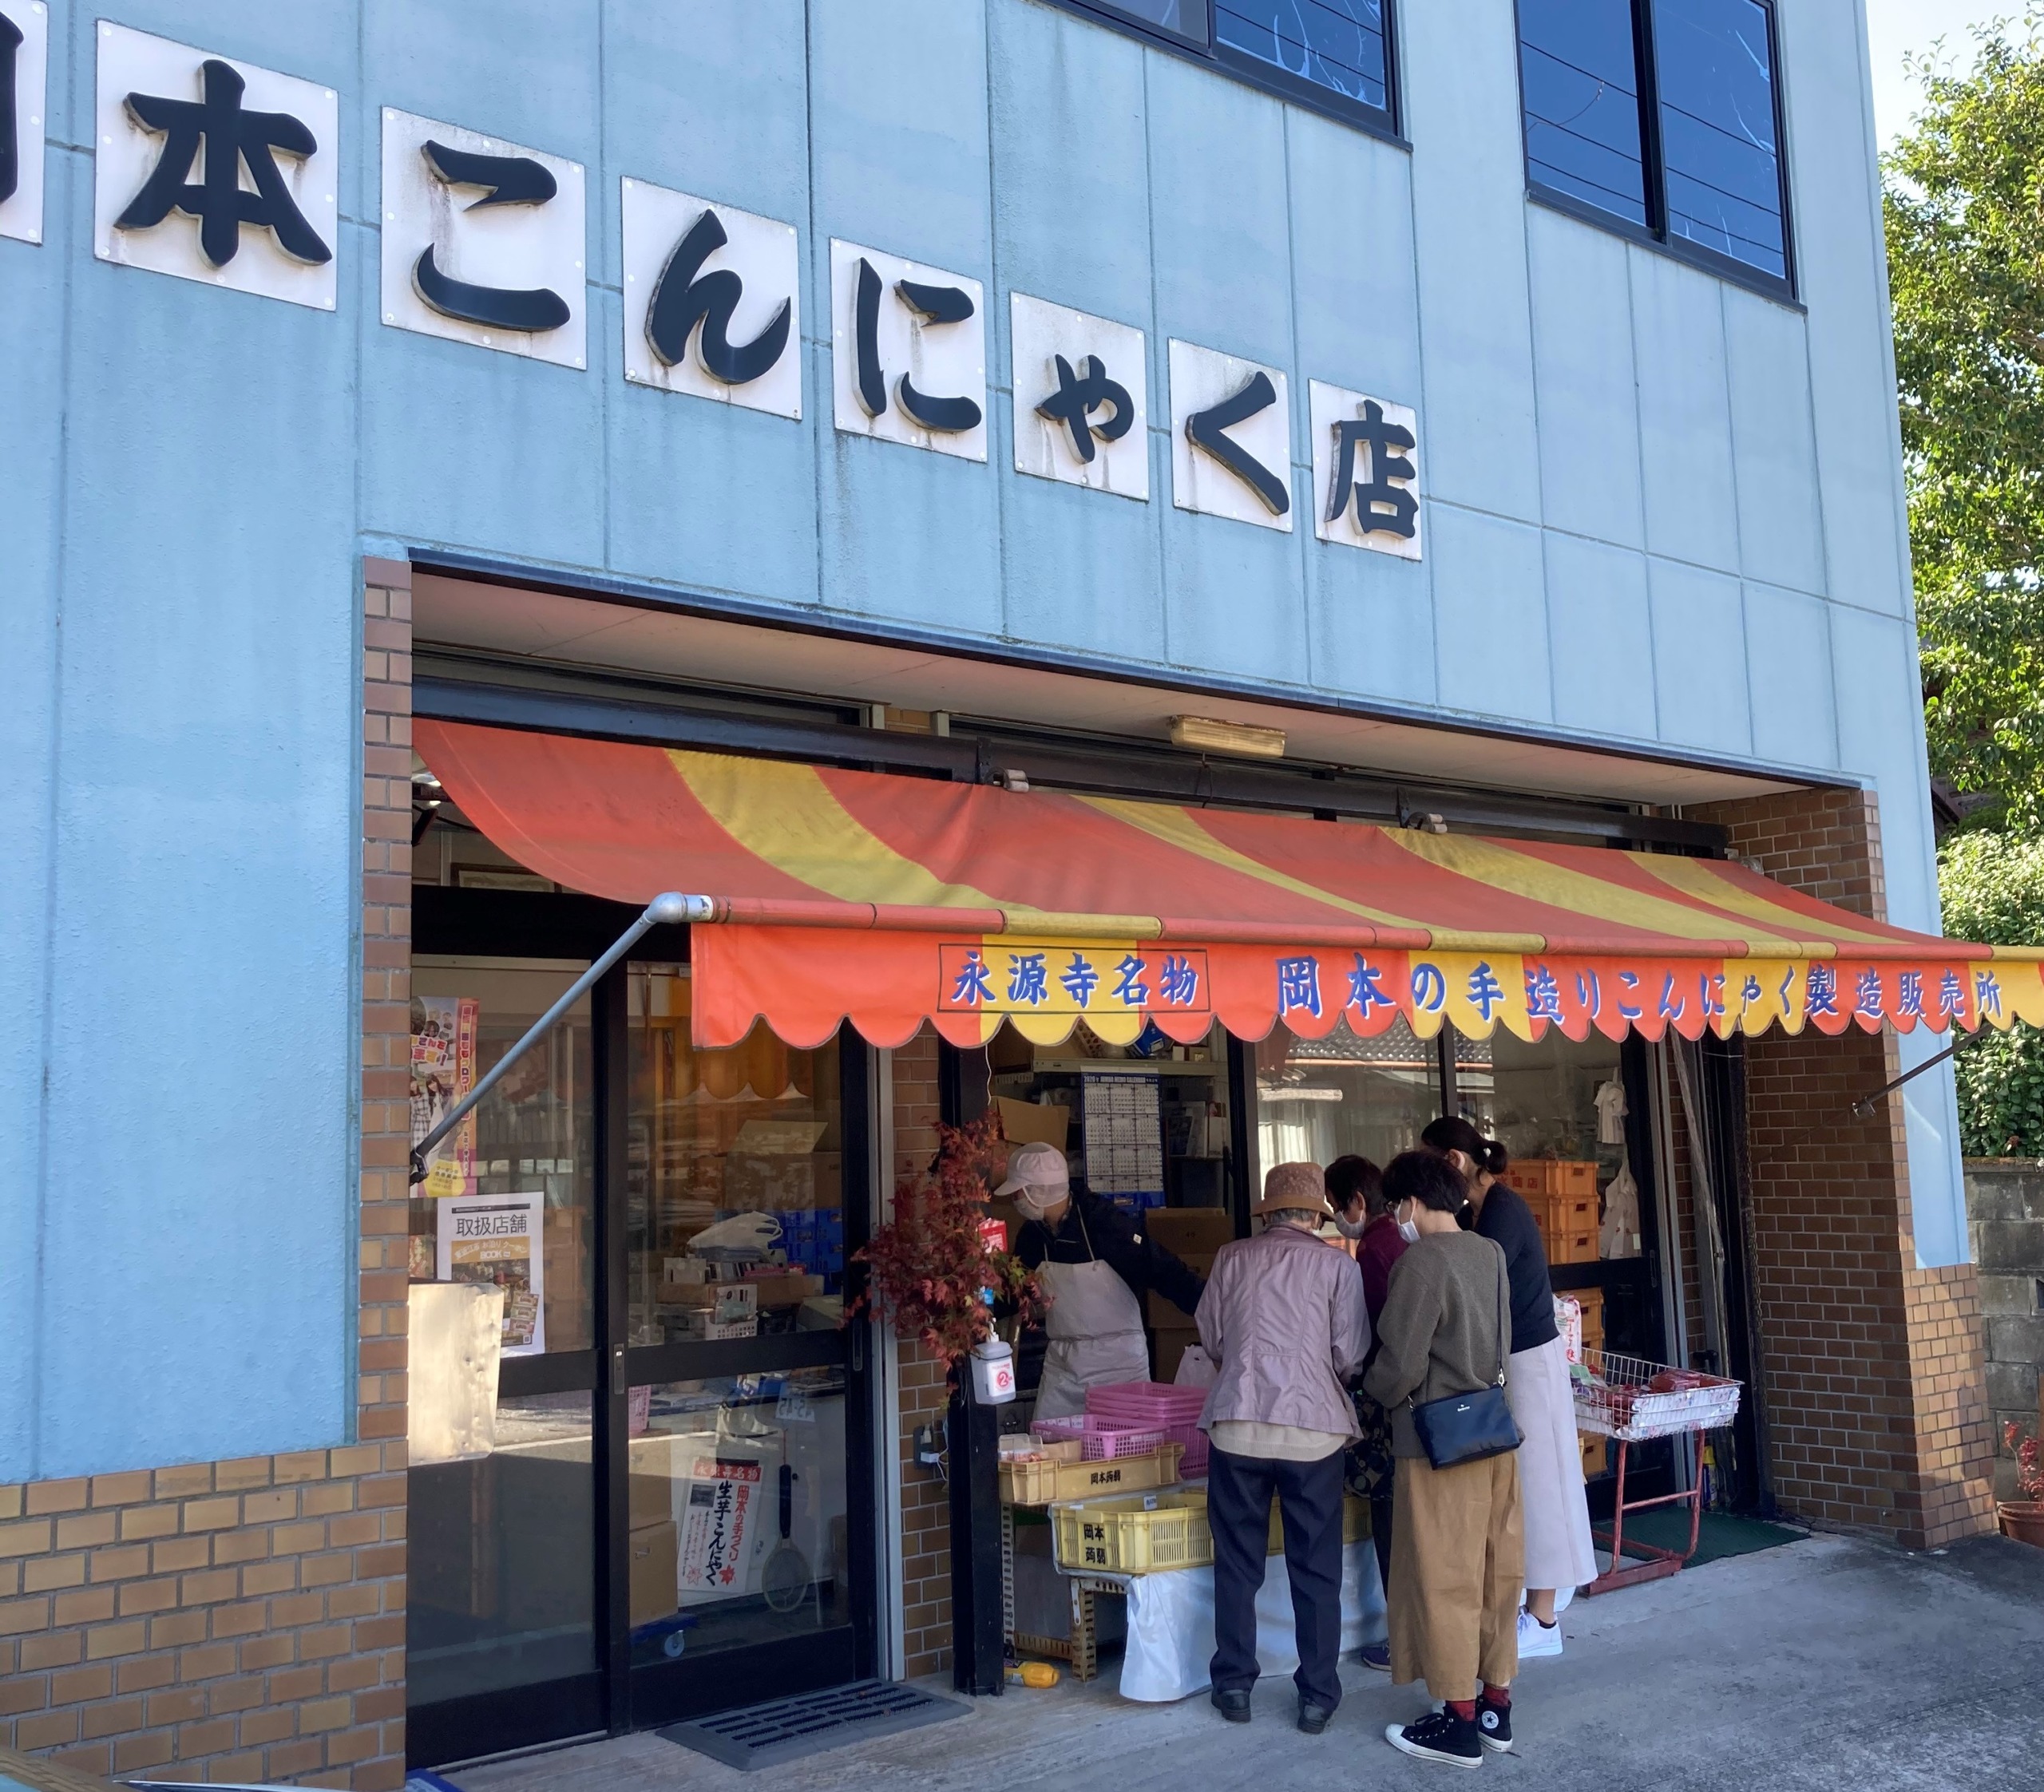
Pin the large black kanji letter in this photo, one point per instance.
(1388, 443)
(871, 383)
(936, 305)
(1079, 395)
(506, 180)
(1204, 429)
(10, 154)
(233, 139)
(682, 299)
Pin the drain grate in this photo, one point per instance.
(788, 1729)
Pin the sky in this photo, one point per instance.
(1895, 28)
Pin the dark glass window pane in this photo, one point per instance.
(1715, 66)
(1334, 44)
(1582, 97)
(1181, 18)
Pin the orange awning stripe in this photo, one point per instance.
(983, 905)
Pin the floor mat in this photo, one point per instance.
(788, 1729)
(1719, 1535)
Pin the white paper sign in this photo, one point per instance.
(1104, 383)
(1207, 385)
(149, 132)
(685, 251)
(891, 360)
(457, 244)
(498, 1240)
(1365, 470)
(25, 47)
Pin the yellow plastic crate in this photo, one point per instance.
(1039, 1483)
(1355, 1523)
(1133, 1534)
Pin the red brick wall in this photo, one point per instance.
(924, 1398)
(1871, 1370)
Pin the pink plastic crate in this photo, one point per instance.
(1101, 1437)
(1174, 1410)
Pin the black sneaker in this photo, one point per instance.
(1494, 1725)
(1440, 1736)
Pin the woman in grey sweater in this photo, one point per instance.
(1458, 1550)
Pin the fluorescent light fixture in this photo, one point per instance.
(1210, 736)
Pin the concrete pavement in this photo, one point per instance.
(1828, 1663)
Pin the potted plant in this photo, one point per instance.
(930, 1272)
(2023, 1519)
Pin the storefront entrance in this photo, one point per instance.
(674, 1513)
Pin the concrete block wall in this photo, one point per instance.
(2004, 1215)
(1871, 1367)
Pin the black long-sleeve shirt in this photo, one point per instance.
(1508, 1223)
(1116, 1240)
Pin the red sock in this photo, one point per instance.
(1463, 1708)
(1498, 1696)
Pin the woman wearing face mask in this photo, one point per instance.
(1559, 1552)
(1355, 1188)
(1095, 1266)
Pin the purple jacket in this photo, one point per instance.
(1283, 1319)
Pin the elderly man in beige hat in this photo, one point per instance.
(1283, 1319)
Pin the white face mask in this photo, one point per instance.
(1033, 1204)
(1408, 1232)
(1348, 1228)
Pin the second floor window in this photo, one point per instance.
(1663, 114)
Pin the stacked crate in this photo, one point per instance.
(1562, 1195)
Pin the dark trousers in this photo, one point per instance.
(1380, 1504)
(1238, 1490)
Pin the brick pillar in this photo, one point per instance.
(924, 1397)
(1871, 1368)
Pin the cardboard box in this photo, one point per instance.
(1033, 1122)
(1187, 1232)
(785, 1291)
(650, 1478)
(655, 1553)
(1164, 1313)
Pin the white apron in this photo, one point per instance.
(1096, 1330)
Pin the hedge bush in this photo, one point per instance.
(1993, 890)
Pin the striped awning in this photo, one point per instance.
(891, 900)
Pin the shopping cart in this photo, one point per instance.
(1631, 1400)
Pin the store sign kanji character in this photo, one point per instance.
(1750, 992)
(1079, 979)
(1630, 979)
(1206, 430)
(1987, 994)
(1298, 985)
(1485, 991)
(1131, 984)
(1952, 994)
(1867, 993)
(974, 982)
(1788, 984)
(933, 305)
(1710, 994)
(687, 298)
(1429, 988)
(1179, 982)
(232, 139)
(1028, 975)
(1379, 504)
(1366, 988)
(1671, 1005)
(505, 180)
(1821, 991)
(10, 154)
(1909, 993)
(1079, 395)
(1544, 995)
(1590, 993)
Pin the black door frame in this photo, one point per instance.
(615, 1698)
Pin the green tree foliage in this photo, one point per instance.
(1992, 886)
(1964, 202)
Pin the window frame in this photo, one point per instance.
(1383, 123)
(1654, 234)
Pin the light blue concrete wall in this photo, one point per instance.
(1660, 511)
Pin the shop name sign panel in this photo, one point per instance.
(211, 169)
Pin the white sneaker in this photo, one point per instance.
(1536, 1639)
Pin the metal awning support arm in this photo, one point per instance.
(1863, 1108)
(670, 909)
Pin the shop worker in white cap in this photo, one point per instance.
(1284, 1321)
(1095, 1265)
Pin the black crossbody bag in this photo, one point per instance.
(1469, 1427)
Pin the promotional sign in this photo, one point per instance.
(496, 1239)
(443, 1071)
